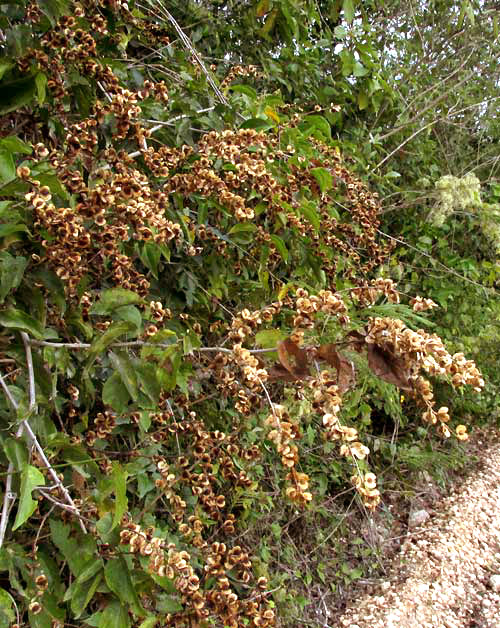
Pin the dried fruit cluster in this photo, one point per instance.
(394, 352)
(416, 351)
(206, 592)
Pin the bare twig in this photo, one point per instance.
(273, 410)
(440, 264)
(189, 46)
(31, 372)
(9, 496)
(433, 103)
(159, 125)
(403, 143)
(135, 343)
(426, 126)
(103, 89)
(24, 426)
(70, 508)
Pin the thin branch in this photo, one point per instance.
(434, 102)
(403, 143)
(9, 497)
(53, 473)
(24, 426)
(172, 120)
(450, 270)
(103, 89)
(275, 414)
(159, 125)
(134, 343)
(31, 372)
(72, 509)
(189, 46)
(442, 119)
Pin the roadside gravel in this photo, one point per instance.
(447, 574)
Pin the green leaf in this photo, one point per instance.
(115, 393)
(7, 230)
(41, 85)
(168, 604)
(461, 16)
(31, 477)
(280, 247)
(340, 32)
(309, 211)
(5, 65)
(16, 94)
(16, 452)
(470, 13)
(243, 227)
(7, 614)
(244, 89)
(112, 299)
(347, 59)
(11, 272)
(124, 366)
(359, 69)
(363, 101)
(262, 8)
(163, 337)
(15, 145)
(17, 319)
(149, 622)
(190, 342)
(323, 177)
(115, 615)
(268, 26)
(119, 581)
(269, 338)
(348, 8)
(131, 314)
(7, 166)
(150, 256)
(392, 175)
(113, 332)
(76, 550)
(258, 124)
(119, 479)
(317, 123)
(92, 567)
(165, 583)
(148, 381)
(53, 9)
(82, 594)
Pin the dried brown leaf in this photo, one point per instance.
(346, 375)
(280, 373)
(356, 340)
(293, 358)
(388, 367)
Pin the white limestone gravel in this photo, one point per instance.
(447, 575)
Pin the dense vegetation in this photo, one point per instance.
(248, 266)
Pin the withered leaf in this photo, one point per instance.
(356, 340)
(346, 375)
(279, 372)
(293, 358)
(329, 354)
(388, 367)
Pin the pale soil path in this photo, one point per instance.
(447, 574)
